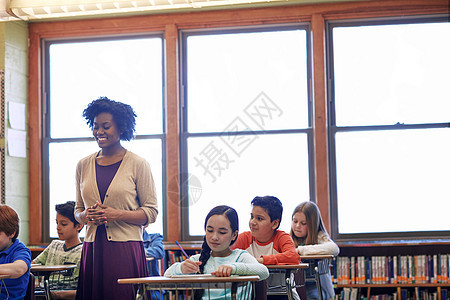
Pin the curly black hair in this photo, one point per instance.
(123, 115)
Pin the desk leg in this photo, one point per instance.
(289, 285)
(140, 293)
(47, 288)
(317, 275)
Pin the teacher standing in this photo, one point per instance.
(116, 199)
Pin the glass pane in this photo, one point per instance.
(63, 168)
(271, 165)
(62, 175)
(391, 73)
(151, 150)
(393, 181)
(129, 71)
(262, 76)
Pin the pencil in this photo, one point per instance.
(181, 248)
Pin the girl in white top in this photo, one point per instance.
(311, 238)
(216, 257)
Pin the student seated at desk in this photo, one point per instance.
(264, 241)
(216, 257)
(153, 247)
(15, 257)
(66, 250)
(311, 238)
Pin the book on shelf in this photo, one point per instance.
(405, 294)
(400, 269)
(174, 256)
(354, 294)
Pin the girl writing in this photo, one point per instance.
(311, 238)
(216, 257)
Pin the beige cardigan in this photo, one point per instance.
(131, 188)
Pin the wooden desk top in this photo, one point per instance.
(198, 278)
(43, 268)
(317, 256)
(288, 267)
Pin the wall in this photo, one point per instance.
(14, 61)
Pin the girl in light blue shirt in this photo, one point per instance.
(216, 257)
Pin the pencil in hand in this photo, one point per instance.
(182, 250)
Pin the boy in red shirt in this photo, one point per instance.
(267, 244)
(264, 241)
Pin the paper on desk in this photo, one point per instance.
(189, 275)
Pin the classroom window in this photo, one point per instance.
(126, 69)
(389, 135)
(246, 127)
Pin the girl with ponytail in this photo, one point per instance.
(216, 257)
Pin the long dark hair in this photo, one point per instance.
(232, 216)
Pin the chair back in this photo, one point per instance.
(30, 288)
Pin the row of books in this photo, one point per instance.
(174, 256)
(402, 269)
(405, 294)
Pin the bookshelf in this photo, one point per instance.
(174, 254)
(393, 270)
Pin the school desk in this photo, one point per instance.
(46, 271)
(181, 283)
(288, 270)
(313, 261)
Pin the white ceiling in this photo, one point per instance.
(34, 10)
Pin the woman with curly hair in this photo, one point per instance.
(116, 199)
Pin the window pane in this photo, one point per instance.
(393, 181)
(129, 71)
(229, 73)
(62, 174)
(63, 168)
(151, 150)
(391, 73)
(272, 165)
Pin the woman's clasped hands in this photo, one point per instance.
(99, 214)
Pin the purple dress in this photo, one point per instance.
(103, 261)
